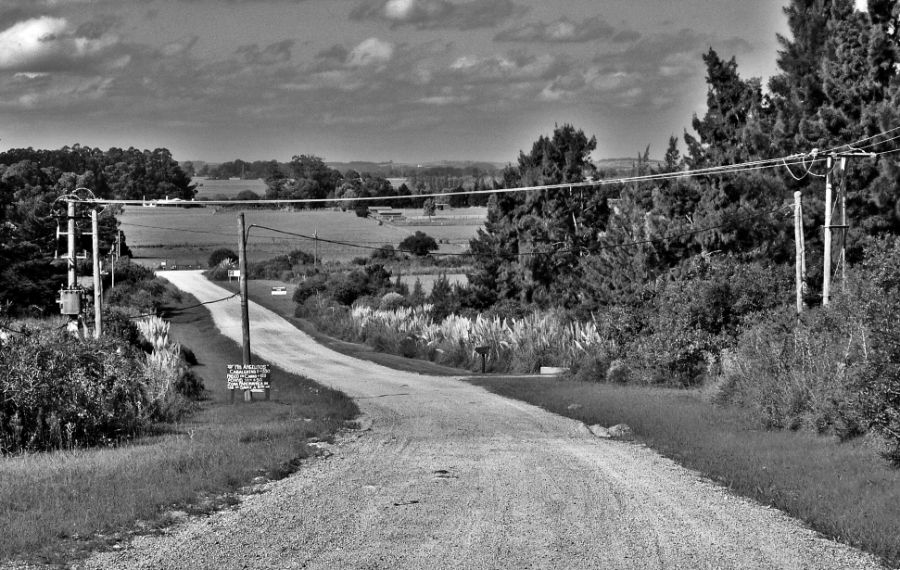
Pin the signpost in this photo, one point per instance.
(233, 273)
(279, 291)
(248, 377)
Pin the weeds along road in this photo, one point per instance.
(451, 476)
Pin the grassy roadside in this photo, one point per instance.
(55, 507)
(844, 491)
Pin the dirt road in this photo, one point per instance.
(451, 476)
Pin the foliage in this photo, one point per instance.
(64, 393)
(223, 254)
(419, 244)
(385, 252)
(836, 371)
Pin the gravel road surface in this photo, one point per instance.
(451, 476)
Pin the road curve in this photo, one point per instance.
(451, 476)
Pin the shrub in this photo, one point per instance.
(128, 272)
(119, 325)
(385, 252)
(390, 301)
(59, 392)
(419, 244)
(312, 285)
(361, 211)
(300, 257)
(220, 255)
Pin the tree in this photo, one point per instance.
(419, 244)
(428, 207)
(533, 241)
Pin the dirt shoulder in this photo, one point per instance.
(451, 476)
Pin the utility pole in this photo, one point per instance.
(72, 278)
(842, 260)
(242, 282)
(826, 263)
(316, 251)
(98, 296)
(800, 251)
(70, 239)
(830, 205)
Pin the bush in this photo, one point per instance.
(220, 255)
(312, 285)
(362, 211)
(119, 325)
(390, 301)
(419, 244)
(59, 392)
(300, 257)
(385, 252)
(128, 272)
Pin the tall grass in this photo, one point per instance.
(516, 345)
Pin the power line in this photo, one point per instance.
(710, 171)
(579, 249)
(188, 307)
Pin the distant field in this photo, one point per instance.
(187, 236)
(230, 188)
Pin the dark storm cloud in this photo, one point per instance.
(432, 14)
(562, 30)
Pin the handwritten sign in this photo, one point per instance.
(253, 377)
(279, 290)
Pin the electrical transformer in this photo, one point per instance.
(70, 301)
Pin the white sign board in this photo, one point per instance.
(279, 291)
(234, 272)
(253, 377)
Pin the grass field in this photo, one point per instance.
(187, 236)
(210, 189)
(56, 506)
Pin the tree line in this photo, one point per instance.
(32, 180)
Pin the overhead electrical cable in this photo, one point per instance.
(549, 252)
(717, 170)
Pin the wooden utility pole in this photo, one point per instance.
(70, 239)
(842, 260)
(98, 296)
(242, 283)
(826, 263)
(316, 253)
(800, 251)
(72, 278)
(830, 205)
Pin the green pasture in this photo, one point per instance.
(186, 236)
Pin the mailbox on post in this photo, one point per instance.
(482, 350)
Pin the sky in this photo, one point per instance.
(405, 80)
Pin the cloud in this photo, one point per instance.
(278, 52)
(432, 14)
(49, 44)
(562, 30)
(371, 51)
(514, 66)
(179, 47)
